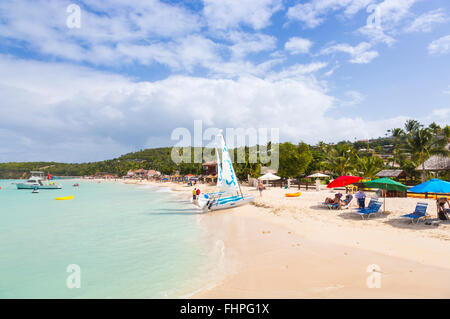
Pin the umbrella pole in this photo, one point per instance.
(384, 204)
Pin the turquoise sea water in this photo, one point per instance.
(129, 241)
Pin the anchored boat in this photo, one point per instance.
(37, 180)
(230, 194)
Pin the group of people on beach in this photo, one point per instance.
(195, 193)
(442, 212)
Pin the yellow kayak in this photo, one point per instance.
(293, 194)
(64, 198)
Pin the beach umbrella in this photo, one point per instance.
(344, 181)
(434, 185)
(317, 175)
(269, 177)
(386, 184)
(189, 175)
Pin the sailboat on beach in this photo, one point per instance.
(229, 191)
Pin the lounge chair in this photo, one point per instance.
(419, 212)
(373, 208)
(346, 204)
(371, 203)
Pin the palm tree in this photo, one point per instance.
(412, 126)
(340, 160)
(368, 166)
(422, 144)
(397, 133)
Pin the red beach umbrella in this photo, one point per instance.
(189, 175)
(344, 181)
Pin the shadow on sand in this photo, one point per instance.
(405, 223)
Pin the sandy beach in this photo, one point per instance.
(283, 247)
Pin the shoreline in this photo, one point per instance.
(288, 248)
(414, 259)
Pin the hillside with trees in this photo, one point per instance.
(403, 148)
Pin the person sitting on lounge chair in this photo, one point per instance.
(441, 210)
(335, 201)
(347, 200)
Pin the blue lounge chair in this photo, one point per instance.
(419, 212)
(371, 203)
(346, 204)
(372, 209)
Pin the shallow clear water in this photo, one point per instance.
(129, 241)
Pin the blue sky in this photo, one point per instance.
(135, 70)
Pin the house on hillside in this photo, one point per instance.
(153, 173)
(140, 173)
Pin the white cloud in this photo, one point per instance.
(425, 22)
(98, 114)
(440, 46)
(389, 17)
(298, 71)
(353, 98)
(296, 45)
(115, 24)
(224, 14)
(243, 43)
(360, 54)
(314, 13)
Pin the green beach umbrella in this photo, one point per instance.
(386, 184)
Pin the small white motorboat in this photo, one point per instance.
(37, 180)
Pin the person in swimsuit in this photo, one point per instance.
(260, 188)
(441, 210)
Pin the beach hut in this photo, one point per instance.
(392, 173)
(210, 168)
(385, 184)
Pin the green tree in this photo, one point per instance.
(421, 144)
(293, 160)
(368, 166)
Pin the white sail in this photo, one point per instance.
(229, 182)
(219, 170)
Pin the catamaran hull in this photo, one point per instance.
(203, 199)
(25, 186)
(228, 202)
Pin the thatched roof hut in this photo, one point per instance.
(392, 173)
(436, 163)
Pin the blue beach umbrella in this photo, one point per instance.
(434, 185)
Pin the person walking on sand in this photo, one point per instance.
(361, 197)
(197, 192)
(194, 194)
(260, 188)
